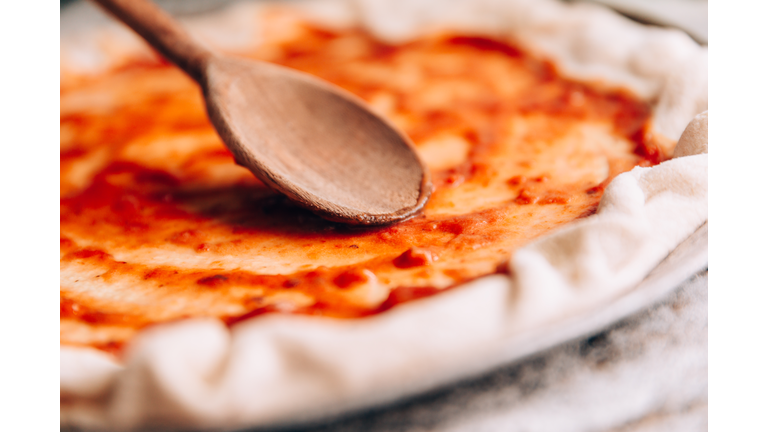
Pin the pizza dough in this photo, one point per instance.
(694, 139)
(196, 373)
(158, 223)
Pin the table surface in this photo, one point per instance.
(647, 372)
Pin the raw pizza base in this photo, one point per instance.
(282, 369)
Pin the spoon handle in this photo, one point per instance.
(162, 32)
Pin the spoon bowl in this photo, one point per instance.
(319, 146)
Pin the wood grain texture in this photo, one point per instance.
(322, 148)
(314, 142)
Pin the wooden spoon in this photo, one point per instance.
(301, 136)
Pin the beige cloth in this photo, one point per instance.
(273, 369)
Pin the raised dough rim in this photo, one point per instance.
(626, 303)
(689, 259)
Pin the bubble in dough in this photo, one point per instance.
(693, 141)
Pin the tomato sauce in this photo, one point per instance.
(159, 224)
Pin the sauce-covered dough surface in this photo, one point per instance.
(159, 224)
